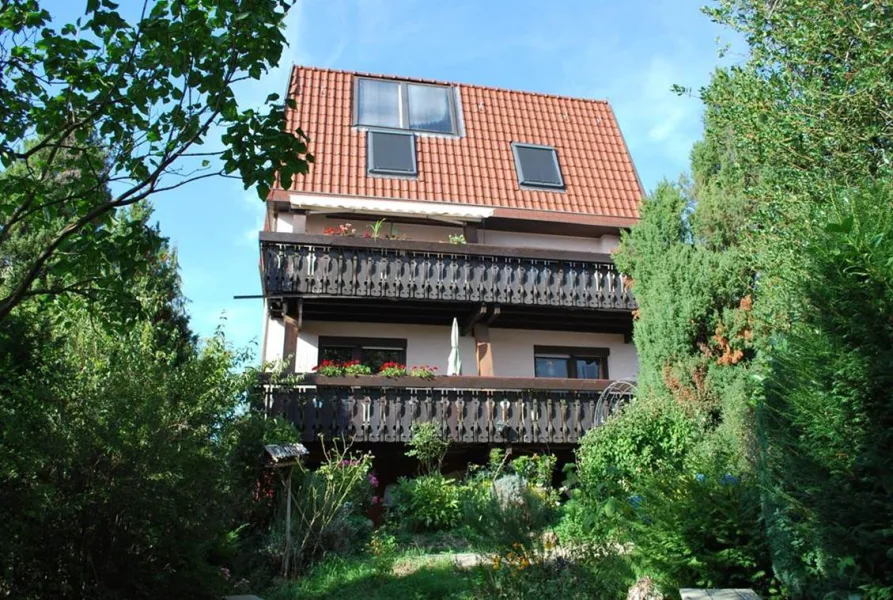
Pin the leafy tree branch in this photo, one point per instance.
(104, 113)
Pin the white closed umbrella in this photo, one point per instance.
(454, 366)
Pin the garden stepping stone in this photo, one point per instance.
(694, 594)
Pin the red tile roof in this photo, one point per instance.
(477, 168)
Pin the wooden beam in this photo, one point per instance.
(471, 233)
(483, 350)
(473, 318)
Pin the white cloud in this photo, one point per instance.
(659, 126)
(253, 207)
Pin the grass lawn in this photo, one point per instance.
(354, 578)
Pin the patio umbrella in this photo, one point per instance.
(454, 366)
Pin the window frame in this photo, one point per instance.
(519, 171)
(370, 156)
(358, 343)
(574, 353)
(403, 95)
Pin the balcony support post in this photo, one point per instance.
(483, 350)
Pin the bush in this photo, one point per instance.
(697, 530)
(536, 469)
(506, 514)
(427, 503)
(428, 446)
(827, 424)
(639, 486)
(327, 512)
(382, 549)
(115, 476)
(646, 436)
(517, 576)
(511, 519)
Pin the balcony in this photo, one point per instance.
(469, 410)
(319, 266)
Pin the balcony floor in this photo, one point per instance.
(384, 310)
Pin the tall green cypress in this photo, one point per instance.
(765, 283)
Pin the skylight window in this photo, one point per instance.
(404, 105)
(390, 153)
(537, 167)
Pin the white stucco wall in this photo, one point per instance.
(440, 233)
(425, 344)
(284, 223)
(513, 350)
(274, 339)
(604, 244)
(417, 233)
(429, 345)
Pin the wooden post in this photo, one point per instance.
(483, 351)
(470, 232)
(285, 559)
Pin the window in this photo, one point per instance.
(373, 352)
(537, 166)
(573, 363)
(390, 153)
(403, 105)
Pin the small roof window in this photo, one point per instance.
(390, 153)
(537, 167)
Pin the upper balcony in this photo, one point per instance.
(322, 266)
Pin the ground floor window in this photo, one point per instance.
(373, 352)
(571, 362)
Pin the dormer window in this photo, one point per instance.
(537, 167)
(403, 105)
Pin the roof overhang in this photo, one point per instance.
(490, 217)
(440, 211)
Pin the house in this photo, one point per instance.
(429, 202)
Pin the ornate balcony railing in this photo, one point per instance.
(328, 266)
(467, 409)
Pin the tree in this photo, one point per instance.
(764, 284)
(103, 113)
(769, 278)
(135, 446)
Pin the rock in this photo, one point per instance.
(727, 594)
(645, 589)
(388, 498)
(509, 490)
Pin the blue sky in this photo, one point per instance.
(629, 52)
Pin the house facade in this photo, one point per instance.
(431, 203)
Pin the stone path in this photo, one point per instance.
(468, 560)
(693, 594)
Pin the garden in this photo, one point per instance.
(514, 527)
(497, 530)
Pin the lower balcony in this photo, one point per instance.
(468, 410)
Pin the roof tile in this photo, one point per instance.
(477, 168)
